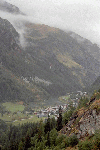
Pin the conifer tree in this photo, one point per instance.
(59, 120)
(47, 125)
(48, 139)
(40, 130)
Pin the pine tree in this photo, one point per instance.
(47, 125)
(40, 130)
(59, 120)
(48, 139)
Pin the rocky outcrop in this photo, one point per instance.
(85, 122)
(89, 123)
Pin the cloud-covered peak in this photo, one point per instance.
(79, 16)
(7, 7)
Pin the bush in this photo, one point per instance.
(97, 140)
(53, 136)
(62, 145)
(85, 145)
(83, 102)
(66, 140)
(60, 139)
(57, 148)
(68, 114)
(73, 140)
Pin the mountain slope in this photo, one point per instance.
(85, 120)
(13, 67)
(46, 42)
(86, 44)
(95, 86)
(52, 61)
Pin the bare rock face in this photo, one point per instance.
(89, 122)
(86, 122)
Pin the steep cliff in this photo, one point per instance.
(86, 120)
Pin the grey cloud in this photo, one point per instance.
(80, 16)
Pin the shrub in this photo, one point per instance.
(53, 136)
(62, 145)
(83, 102)
(59, 139)
(57, 148)
(73, 140)
(97, 140)
(85, 145)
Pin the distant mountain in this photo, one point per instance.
(76, 57)
(7, 7)
(93, 49)
(95, 86)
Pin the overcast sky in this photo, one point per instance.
(80, 16)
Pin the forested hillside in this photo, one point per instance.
(59, 47)
(95, 86)
(76, 128)
(13, 67)
(52, 63)
(49, 63)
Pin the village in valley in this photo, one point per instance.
(19, 112)
(66, 102)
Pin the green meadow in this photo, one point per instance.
(29, 119)
(15, 114)
(13, 107)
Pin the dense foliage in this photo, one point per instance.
(42, 136)
(83, 102)
(67, 115)
(35, 136)
(48, 134)
(91, 143)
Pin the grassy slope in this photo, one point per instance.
(50, 43)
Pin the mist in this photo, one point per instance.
(79, 16)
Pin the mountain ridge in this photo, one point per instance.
(50, 55)
(7, 7)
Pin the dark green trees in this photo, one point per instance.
(59, 120)
(47, 127)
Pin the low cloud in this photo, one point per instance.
(18, 23)
(80, 16)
